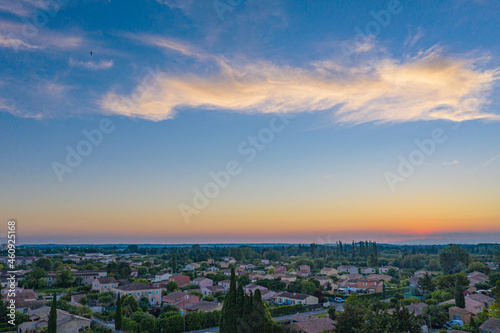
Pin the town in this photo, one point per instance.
(354, 287)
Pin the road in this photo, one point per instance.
(338, 307)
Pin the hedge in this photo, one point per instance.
(292, 309)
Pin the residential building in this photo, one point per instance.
(203, 306)
(203, 282)
(180, 299)
(225, 284)
(212, 290)
(104, 284)
(329, 271)
(457, 313)
(385, 269)
(139, 290)
(161, 277)
(368, 270)
(66, 322)
(280, 269)
(287, 298)
(180, 279)
(305, 268)
(486, 300)
(348, 269)
(492, 325)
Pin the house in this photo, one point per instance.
(492, 325)
(212, 290)
(212, 269)
(486, 300)
(348, 269)
(26, 300)
(421, 273)
(180, 299)
(66, 322)
(87, 277)
(161, 277)
(224, 264)
(379, 277)
(368, 270)
(255, 277)
(350, 276)
(252, 288)
(268, 295)
(287, 298)
(477, 277)
(203, 306)
(329, 271)
(309, 324)
(280, 269)
(323, 280)
(192, 266)
(225, 284)
(203, 282)
(385, 269)
(265, 261)
(104, 284)
(471, 305)
(139, 290)
(457, 313)
(180, 279)
(210, 261)
(305, 268)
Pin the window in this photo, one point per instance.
(156, 292)
(105, 287)
(138, 294)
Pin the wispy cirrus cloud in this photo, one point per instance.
(414, 37)
(427, 86)
(92, 65)
(22, 8)
(14, 35)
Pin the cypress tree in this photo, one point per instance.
(261, 315)
(228, 321)
(459, 296)
(118, 314)
(52, 323)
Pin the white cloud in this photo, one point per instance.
(23, 37)
(413, 38)
(425, 87)
(92, 65)
(491, 160)
(443, 164)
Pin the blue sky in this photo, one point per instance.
(184, 85)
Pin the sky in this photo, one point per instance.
(181, 121)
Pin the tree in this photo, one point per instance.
(120, 270)
(171, 286)
(426, 283)
(454, 259)
(64, 277)
(332, 313)
(118, 314)
(173, 263)
(52, 322)
(351, 319)
(459, 295)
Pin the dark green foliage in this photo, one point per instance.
(332, 313)
(241, 313)
(454, 259)
(118, 314)
(52, 323)
(120, 270)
